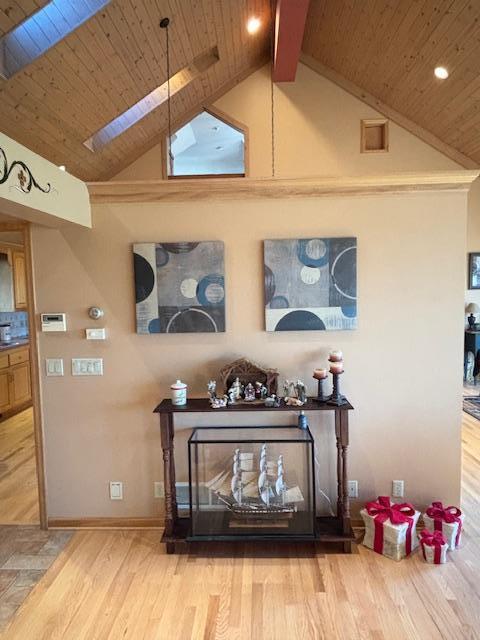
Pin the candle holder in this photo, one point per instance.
(321, 396)
(336, 398)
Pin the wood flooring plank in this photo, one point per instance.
(122, 585)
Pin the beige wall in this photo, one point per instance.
(473, 239)
(101, 429)
(411, 287)
(67, 201)
(317, 132)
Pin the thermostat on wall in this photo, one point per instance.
(54, 321)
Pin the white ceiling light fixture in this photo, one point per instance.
(253, 25)
(62, 167)
(441, 73)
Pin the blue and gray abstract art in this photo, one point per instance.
(179, 287)
(311, 284)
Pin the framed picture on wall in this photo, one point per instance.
(474, 270)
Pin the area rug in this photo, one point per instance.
(471, 405)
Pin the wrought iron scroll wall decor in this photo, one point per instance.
(26, 180)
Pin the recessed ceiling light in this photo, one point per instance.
(62, 167)
(253, 25)
(441, 73)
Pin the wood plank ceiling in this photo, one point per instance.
(389, 48)
(386, 48)
(111, 62)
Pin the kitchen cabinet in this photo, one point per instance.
(15, 384)
(19, 280)
(13, 279)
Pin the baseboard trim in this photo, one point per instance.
(105, 523)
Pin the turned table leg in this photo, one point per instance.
(338, 415)
(166, 432)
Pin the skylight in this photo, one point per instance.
(43, 30)
(152, 101)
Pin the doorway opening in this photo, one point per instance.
(22, 496)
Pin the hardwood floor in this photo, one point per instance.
(121, 585)
(18, 476)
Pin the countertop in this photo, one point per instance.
(14, 344)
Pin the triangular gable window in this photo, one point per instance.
(207, 145)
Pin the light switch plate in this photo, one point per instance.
(54, 367)
(95, 334)
(87, 366)
(398, 489)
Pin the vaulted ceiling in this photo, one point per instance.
(382, 50)
(112, 61)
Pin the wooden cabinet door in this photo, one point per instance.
(20, 384)
(5, 391)
(19, 279)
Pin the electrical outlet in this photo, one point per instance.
(116, 490)
(353, 488)
(158, 490)
(398, 489)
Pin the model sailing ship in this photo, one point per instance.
(261, 494)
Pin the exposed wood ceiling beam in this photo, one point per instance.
(289, 27)
(389, 112)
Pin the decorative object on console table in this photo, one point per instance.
(321, 375)
(434, 546)
(179, 393)
(390, 528)
(471, 309)
(328, 530)
(336, 369)
(247, 371)
(179, 287)
(310, 284)
(474, 270)
(447, 520)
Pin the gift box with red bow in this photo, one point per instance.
(434, 546)
(447, 520)
(390, 528)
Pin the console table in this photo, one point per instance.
(329, 529)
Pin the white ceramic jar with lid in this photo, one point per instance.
(179, 393)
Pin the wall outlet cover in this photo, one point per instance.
(398, 489)
(158, 490)
(353, 488)
(116, 490)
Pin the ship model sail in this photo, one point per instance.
(259, 494)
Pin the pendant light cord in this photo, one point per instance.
(164, 23)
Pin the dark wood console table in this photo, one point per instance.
(329, 529)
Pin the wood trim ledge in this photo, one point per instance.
(270, 188)
(105, 523)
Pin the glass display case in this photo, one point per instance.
(251, 482)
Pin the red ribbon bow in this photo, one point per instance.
(440, 514)
(382, 511)
(434, 539)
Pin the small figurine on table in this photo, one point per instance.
(212, 389)
(249, 395)
(301, 391)
(295, 394)
(272, 401)
(236, 389)
(219, 403)
(261, 391)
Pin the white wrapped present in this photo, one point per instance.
(390, 528)
(447, 520)
(434, 546)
